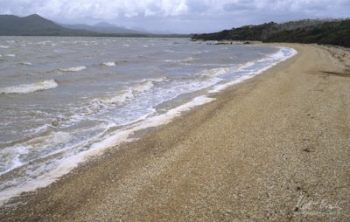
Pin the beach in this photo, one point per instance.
(273, 148)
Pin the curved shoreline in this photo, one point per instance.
(261, 146)
(17, 179)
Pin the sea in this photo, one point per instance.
(64, 100)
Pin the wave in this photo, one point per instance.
(143, 86)
(123, 96)
(131, 92)
(26, 63)
(13, 156)
(253, 68)
(4, 46)
(29, 88)
(109, 64)
(11, 159)
(140, 94)
(73, 69)
(185, 60)
(215, 72)
(41, 175)
(10, 55)
(122, 135)
(120, 98)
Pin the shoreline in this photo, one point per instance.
(147, 179)
(130, 131)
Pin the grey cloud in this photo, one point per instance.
(197, 6)
(178, 15)
(240, 6)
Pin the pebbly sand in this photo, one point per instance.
(274, 148)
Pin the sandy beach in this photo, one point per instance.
(273, 148)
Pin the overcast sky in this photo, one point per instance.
(180, 16)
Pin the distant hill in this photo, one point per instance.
(334, 32)
(104, 28)
(35, 25)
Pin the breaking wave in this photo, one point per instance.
(26, 63)
(215, 72)
(127, 94)
(29, 88)
(73, 69)
(109, 64)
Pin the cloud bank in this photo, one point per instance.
(178, 15)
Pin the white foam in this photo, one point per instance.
(120, 98)
(109, 64)
(143, 86)
(111, 140)
(13, 161)
(221, 87)
(39, 129)
(269, 61)
(73, 69)
(50, 140)
(26, 63)
(121, 135)
(215, 72)
(10, 55)
(124, 95)
(4, 46)
(29, 88)
(185, 60)
(60, 138)
(246, 66)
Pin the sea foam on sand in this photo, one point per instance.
(114, 139)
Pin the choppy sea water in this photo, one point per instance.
(63, 99)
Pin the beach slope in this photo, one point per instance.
(274, 148)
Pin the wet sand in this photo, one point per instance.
(274, 148)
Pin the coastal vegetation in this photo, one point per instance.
(332, 32)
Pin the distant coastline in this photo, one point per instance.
(326, 32)
(36, 25)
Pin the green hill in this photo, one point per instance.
(34, 25)
(336, 32)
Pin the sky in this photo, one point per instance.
(177, 16)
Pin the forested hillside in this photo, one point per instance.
(336, 32)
